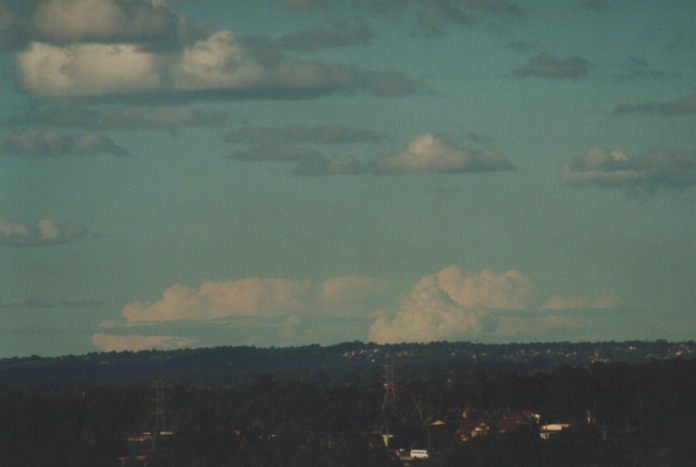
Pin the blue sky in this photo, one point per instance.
(285, 172)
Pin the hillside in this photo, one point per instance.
(355, 362)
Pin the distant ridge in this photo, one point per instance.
(347, 363)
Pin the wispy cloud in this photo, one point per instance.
(299, 133)
(158, 118)
(43, 232)
(547, 66)
(340, 33)
(273, 152)
(684, 106)
(601, 167)
(639, 69)
(46, 142)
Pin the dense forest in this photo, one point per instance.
(612, 413)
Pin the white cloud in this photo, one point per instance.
(433, 153)
(511, 290)
(452, 304)
(250, 297)
(218, 63)
(244, 297)
(84, 70)
(134, 343)
(101, 20)
(44, 232)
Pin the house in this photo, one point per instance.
(551, 429)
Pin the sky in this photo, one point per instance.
(196, 173)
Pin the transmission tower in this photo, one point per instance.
(160, 418)
(390, 390)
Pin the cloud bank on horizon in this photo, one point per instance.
(451, 304)
(299, 171)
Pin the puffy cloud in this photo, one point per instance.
(134, 343)
(85, 70)
(427, 153)
(432, 153)
(163, 117)
(64, 21)
(44, 232)
(685, 106)
(218, 64)
(602, 167)
(547, 66)
(452, 304)
(511, 290)
(44, 142)
(342, 34)
(244, 297)
(299, 133)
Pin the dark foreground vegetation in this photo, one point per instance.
(612, 414)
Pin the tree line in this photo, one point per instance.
(640, 414)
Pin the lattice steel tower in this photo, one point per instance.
(390, 389)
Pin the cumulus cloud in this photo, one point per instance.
(453, 304)
(45, 142)
(601, 167)
(162, 117)
(685, 106)
(43, 232)
(299, 133)
(244, 297)
(218, 64)
(437, 154)
(427, 153)
(250, 297)
(341, 33)
(547, 66)
(64, 21)
(134, 343)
